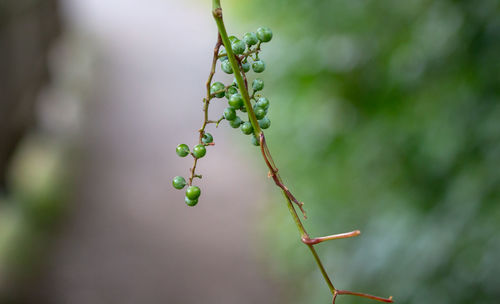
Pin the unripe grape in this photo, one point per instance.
(178, 182)
(264, 123)
(207, 138)
(199, 151)
(250, 38)
(226, 67)
(235, 123)
(238, 47)
(182, 150)
(264, 34)
(263, 103)
(215, 87)
(193, 192)
(236, 101)
(246, 128)
(230, 113)
(258, 84)
(258, 66)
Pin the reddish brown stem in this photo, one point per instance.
(363, 295)
(309, 241)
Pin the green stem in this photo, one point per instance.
(217, 13)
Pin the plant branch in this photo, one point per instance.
(273, 170)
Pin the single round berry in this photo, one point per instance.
(182, 150)
(255, 141)
(250, 38)
(193, 192)
(260, 112)
(258, 84)
(215, 87)
(245, 66)
(222, 53)
(236, 101)
(199, 151)
(229, 113)
(238, 47)
(263, 103)
(207, 138)
(178, 182)
(264, 123)
(190, 202)
(226, 67)
(257, 66)
(246, 128)
(264, 34)
(235, 123)
(230, 91)
(232, 38)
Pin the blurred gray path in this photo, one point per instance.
(130, 238)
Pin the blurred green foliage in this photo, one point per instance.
(386, 118)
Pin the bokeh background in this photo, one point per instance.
(385, 118)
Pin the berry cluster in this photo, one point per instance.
(246, 51)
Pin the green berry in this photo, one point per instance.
(258, 66)
(250, 38)
(232, 38)
(238, 47)
(215, 87)
(236, 101)
(199, 151)
(255, 141)
(258, 84)
(193, 192)
(178, 182)
(245, 66)
(264, 123)
(182, 150)
(190, 202)
(222, 53)
(264, 34)
(263, 103)
(231, 91)
(260, 112)
(246, 128)
(207, 138)
(226, 67)
(229, 113)
(235, 123)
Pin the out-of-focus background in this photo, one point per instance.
(385, 118)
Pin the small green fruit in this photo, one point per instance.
(236, 101)
(235, 123)
(182, 150)
(259, 112)
(199, 151)
(215, 87)
(258, 84)
(190, 202)
(263, 103)
(193, 192)
(230, 91)
(238, 47)
(250, 38)
(245, 66)
(178, 182)
(246, 128)
(207, 138)
(258, 66)
(255, 140)
(226, 67)
(264, 34)
(264, 123)
(230, 113)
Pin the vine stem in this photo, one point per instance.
(273, 170)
